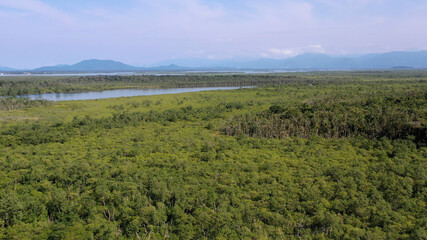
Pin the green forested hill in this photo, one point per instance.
(338, 159)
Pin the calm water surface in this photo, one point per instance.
(122, 93)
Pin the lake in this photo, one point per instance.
(122, 93)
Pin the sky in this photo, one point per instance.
(37, 33)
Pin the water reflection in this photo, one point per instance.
(121, 93)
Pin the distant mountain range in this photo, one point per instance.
(95, 65)
(317, 61)
(6, 69)
(392, 60)
(88, 66)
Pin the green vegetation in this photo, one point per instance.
(324, 156)
(24, 85)
(399, 115)
(12, 103)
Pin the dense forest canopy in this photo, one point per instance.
(328, 155)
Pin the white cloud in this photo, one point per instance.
(179, 10)
(292, 52)
(351, 3)
(37, 7)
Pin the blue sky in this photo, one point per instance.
(143, 32)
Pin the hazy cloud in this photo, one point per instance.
(145, 31)
(37, 7)
(292, 52)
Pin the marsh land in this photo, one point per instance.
(316, 155)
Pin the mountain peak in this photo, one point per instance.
(90, 65)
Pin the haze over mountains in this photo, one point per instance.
(6, 69)
(95, 65)
(304, 61)
(317, 61)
